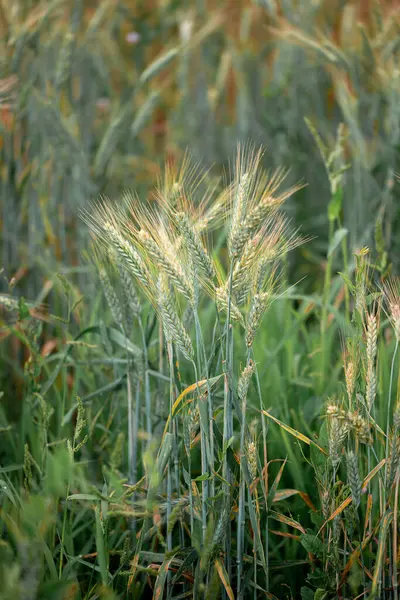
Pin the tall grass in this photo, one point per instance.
(170, 452)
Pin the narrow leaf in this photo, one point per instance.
(223, 575)
(339, 235)
(297, 434)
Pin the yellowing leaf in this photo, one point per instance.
(198, 385)
(294, 432)
(287, 520)
(349, 500)
(223, 575)
(283, 494)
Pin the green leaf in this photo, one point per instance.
(83, 497)
(120, 339)
(347, 281)
(101, 549)
(162, 579)
(339, 235)
(313, 544)
(144, 113)
(158, 65)
(204, 477)
(306, 593)
(317, 458)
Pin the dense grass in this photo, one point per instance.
(199, 399)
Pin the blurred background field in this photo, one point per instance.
(95, 97)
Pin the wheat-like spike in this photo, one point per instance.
(394, 462)
(244, 381)
(163, 262)
(195, 246)
(333, 440)
(372, 337)
(256, 217)
(361, 280)
(65, 60)
(128, 255)
(361, 427)
(221, 297)
(371, 342)
(220, 530)
(392, 296)
(243, 270)
(371, 388)
(127, 550)
(394, 459)
(131, 297)
(326, 503)
(173, 327)
(353, 477)
(336, 531)
(396, 419)
(111, 297)
(258, 307)
(236, 239)
(338, 430)
(251, 457)
(350, 377)
(194, 421)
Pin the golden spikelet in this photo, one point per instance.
(392, 297)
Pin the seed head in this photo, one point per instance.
(392, 296)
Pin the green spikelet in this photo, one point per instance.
(173, 327)
(353, 478)
(29, 462)
(222, 304)
(195, 246)
(111, 297)
(251, 457)
(394, 459)
(65, 60)
(338, 431)
(131, 297)
(258, 307)
(175, 515)
(126, 550)
(244, 381)
(237, 236)
(81, 424)
(128, 255)
(220, 531)
(170, 268)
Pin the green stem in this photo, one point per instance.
(389, 405)
(325, 302)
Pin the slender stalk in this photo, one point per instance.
(241, 511)
(203, 465)
(201, 345)
(395, 578)
(135, 430)
(146, 382)
(169, 478)
(389, 405)
(228, 417)
(325, 302)
(265, 456)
